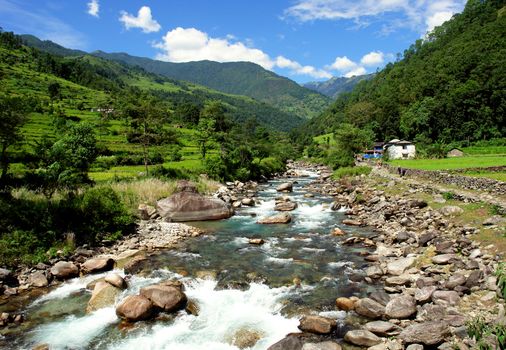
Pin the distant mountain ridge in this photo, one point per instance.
(238, 78)
(337, 85)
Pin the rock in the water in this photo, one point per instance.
(345, 304)
(38, 279)
(167, 298)
(326, 345)
(64, 270)
(337, 232)
(135, 308)
(317, 324)
(97, 265)
(286, 206)
(256, 241)
(382, 328)
(427, 333)
(351, 222)
(369, 308)
(276, 219)
(397, 267)
(248, 202)
(104, 294)
(374, 271)
(191, 206)
(245, 338)
(290, 342)
(362, 337)
(116, 280)
(403, 306)
(451, 210)
(285, 187)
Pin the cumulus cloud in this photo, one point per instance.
(374, 58)
(93, 8)
(421, 15)
(356, 71)
(191, 44)
(342, 64)
(144, 20)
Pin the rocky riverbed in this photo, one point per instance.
(434, 276)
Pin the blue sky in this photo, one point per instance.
(304, 40)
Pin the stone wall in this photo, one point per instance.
(464, 182)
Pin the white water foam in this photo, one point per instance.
(222, 314)
(314, 250)
(75, 332)
(312, 217)
(297, 239)
(279, 261)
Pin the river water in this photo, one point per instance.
(236, 285)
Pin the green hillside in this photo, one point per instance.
(450, 86)
(337, 85)
(242, 78)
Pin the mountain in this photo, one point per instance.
(240, 78)
(337, 85)
(99, 80)
(448, 86)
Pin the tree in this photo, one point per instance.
(54, 90)
(12, 118)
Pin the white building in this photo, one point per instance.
(400, 149)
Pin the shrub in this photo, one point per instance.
(271, 165)
(351, 171)
(339, 159)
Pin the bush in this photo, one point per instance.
(216, 168)
(339, 159)
(21, 246)
(271, 165)
(351, 171)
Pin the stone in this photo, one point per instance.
(345, 304)
(285, 187)
(336, 231)
(38, 279)
(401, 280)
(419, 204)
(116, 280)
(290, 342)
(146, 211)
(41, 347)
(474, 279)
(351, 222)
(126, 256)
(455, 280)
(494, 220)
(374, 271)
(317, 324)
(362, 337)
(192, 308)
(426, 237)
(135, 265)
(446, 297)
(167, 298)
(387, 345)
(382, 328)
(97, 265)
(286, 206)
(245, 338)
(256, 241)
(401, 307)
(415, 347)
(451, 210)
(424, 294)
(135, 308)
(397, 267)
(248, 202)
(427, 333)
(443, 259)
(369, 308)
(276, 219)
(104, 295)
(191, 206)
(326, 345)
(64, 270)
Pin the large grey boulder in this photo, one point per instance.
(97, 265)
(64, 270)
(188, 205)
(276, 219)
(369, 308)
(397, 267)
(104, 294)
(166, 297)
(362, 337)
(286, 206)
(427, 333)
(285, 187)
(290, 342)
(317, 324)
(382, 328)
(401, 307)
(38, 279)
(135, 308)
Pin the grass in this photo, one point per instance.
(322, 139)
(495, 175)
(451, 163)
(351, 171)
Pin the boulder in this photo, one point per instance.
(191, 206)
(397, 267)
(326, 345)
(494, 220)
(317, 324)
(382, 328)
(5, 274)
(424, 294)
(362, 337)
(166, 297)
(285, 187)
(248, 202)
(276, 219)
(369, 308)
(374, 271)
(135, 308)
(126, 256)
(451, 210)
(337, 232)
(286, 206)
(351, 222)
(146, 212)
(38, 279)
(64, 270)
(104, 294)
(97, 265)
(443, 259)
(446, 297)
(245, 338)
(401, 307)
(256, 241)
(427, 333)
(345, 304)
(290, 342)
(116, 280)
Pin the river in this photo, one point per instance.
(300, 268)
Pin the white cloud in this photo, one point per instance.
(93, 8)
(356, 71)
(191, 44)
(144, 20)
(421, 15)
(342, 64)
(374, 58)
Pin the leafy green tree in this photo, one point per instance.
(12, 117)
(54, 90)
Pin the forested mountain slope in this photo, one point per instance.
(337, 85)
(449, 86)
